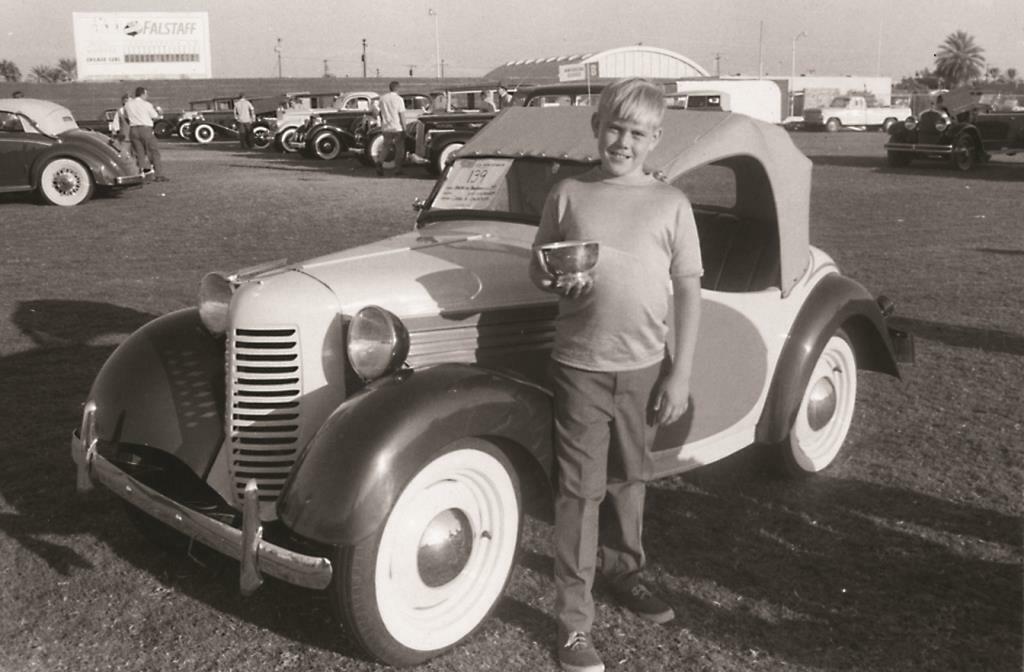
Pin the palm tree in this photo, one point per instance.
(1011, 74)
(68, 68)
(959, 59)
(9, 71)
(47, 74)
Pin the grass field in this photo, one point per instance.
(906, 557)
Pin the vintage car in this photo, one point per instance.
(328, 136)
(965, 127)
(301, 108)
(42, 149)
(438, 136)
(374, 423)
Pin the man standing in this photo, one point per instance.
(392, 124)
(245, 115)
(141, 115)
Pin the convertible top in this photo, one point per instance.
(50, 117)
(773, 177)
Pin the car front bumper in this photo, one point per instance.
(257, 557)
(919, 148)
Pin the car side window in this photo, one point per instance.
(10, 123)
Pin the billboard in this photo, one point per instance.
(142, 45)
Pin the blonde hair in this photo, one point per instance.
(635, 99)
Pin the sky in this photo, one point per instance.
(750, 37)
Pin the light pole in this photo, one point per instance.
(792, 70)
(278, 50)
(437, 42)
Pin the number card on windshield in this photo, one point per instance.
(472, 184)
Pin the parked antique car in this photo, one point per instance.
(301, 108)
(103, 125)
(852, 111)
(965, 127)
(42, 149)
(438, 137)
(328, 136)
(375, 422)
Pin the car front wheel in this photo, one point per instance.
(965, 152)
(203, 133)
(185, 130)
(260, 137)
(65, 182)
(327, 146)
(444, 157)
(440, 561)
(372, 149)
(833, 125)
(819, 430)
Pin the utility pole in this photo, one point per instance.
(437, 45)
(278, 50)
(364, 58)
(411, 69)
(718, 63)
(326, 73)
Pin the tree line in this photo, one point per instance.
(66, 70)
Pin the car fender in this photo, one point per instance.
(352, 471)
(163, 387)
(348, 140)
(835, 302)
(101, 166)
(957, 129)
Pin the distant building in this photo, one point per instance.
(634, 61)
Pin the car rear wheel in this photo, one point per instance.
(372, 149)
(203, 133)
(161, 129)
(440, 562)
(260, 137)
(887, 124)
(65, 182)
(284, 141)
(833, 125)
(327, 146)
(965, 152)
(445, 156)
(819, 430)
(898, 159)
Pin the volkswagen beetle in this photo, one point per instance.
(42, 149)
(373, 423)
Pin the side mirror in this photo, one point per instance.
(419, 204)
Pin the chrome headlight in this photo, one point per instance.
(910, 124)
(942, 123)
(215, 292)
(378, 343)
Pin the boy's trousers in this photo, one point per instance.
(602, 444)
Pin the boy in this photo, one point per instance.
(613, 384)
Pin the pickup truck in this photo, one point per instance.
(853, 111)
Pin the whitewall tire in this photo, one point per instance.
(203, 133)
(441, 561)
(65, 182)
(819, 430)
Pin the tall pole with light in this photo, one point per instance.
(437, 42)
(278, 50)
(792, 70)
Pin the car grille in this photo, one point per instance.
(264, 409)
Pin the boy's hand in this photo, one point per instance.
(574, 287)
(671, 399)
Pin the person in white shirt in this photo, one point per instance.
(392, 124)
(141, 115)
(245, 115)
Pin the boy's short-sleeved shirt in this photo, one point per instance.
(647, 236)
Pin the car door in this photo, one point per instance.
(17, 149)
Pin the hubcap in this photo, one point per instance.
(821, 404)
(65, 182)
(444, 548)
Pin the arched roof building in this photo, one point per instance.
(633, 61)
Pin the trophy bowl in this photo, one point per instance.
(570, 261)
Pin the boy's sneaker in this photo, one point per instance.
(638, 598)
(577, 654)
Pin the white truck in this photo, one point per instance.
(853, 111)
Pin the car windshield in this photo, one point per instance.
(503, 188)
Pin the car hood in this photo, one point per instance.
(450, 268)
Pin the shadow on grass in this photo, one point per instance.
(989, 340)
(837, 574)
(993, 172)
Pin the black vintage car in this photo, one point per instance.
(965, 127)
(43, 149)
(439, 136)
(328, 136)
